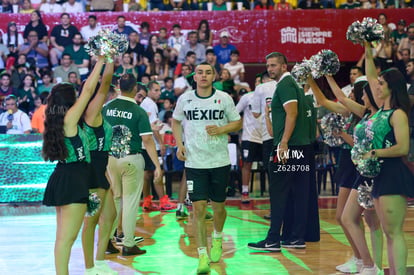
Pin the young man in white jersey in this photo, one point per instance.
(206, 116)
(251, 146)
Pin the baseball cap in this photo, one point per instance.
(360, 78)
(224, 34)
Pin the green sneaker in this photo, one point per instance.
(216, 249)
(203, 264)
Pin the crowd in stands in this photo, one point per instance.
(33, 61)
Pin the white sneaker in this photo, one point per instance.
(353, 265)
(91, 271)
(373, 270)
(104, 269)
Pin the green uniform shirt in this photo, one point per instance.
(78, 56)
(129, 122)
(379, 129)
(100, 138)
(310, 115)
(78, 148)
(288, 91)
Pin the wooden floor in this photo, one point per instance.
(27, 235)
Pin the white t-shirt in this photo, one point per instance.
(347, 89)
(51, 8)
(263, 92)
(21, 122)
(87, 32)
(76, 7)
(195, 113)
(12, 39)
(252, 127)
(234, 70)
(152, 110)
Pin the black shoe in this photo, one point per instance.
(135, 250)
(267, 217)
(298, 244)
(111, 249)
(265, 246)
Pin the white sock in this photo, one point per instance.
(100, 263)
(245, 189)
(180, 206)
(202, 250)
(217, 235)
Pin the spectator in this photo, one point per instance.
(126, 66)
(79, 55)
(102, 5)
(283, 5)
(152, 48)
(71, 6)
(26, 94)
(156, 5)
(158, 68)
(38, 118)
(192, 45)
(383, 52)
(61, 36)
(145, 79)
(47, 82)
(6, 88)
(136, 49)
(190, 60)
(176, 41)
(403, 57)
(235, 67)
(35, 50)
(264, 5)
(36, 24)
(73, 79)
(311, 4)
(398, 34)
(16, 121)
(145, 34)
(211, 59)
(223, 49)
(177, 5)
(168, 90)
(6, 7)
(50, 6)
(4, 52)
(91, 29)
(121, 28)
(66, 66)
(21, 67)
(354, 73)
(163, 38)
(350, 4)
(382, 19)
(181, 84)
(219, 5)
(205, 35)
(408, 42)
(167, 106)
(225, 84)
(372, 4)
(12, 39)
(26, 7)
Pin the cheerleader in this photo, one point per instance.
(349, 212)
(99, 134)
(389, 129)
(64, 141)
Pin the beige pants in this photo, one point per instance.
(127, 179)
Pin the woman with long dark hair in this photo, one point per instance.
(390, 143)
(36, 24)
(64, 141)
(205, 35)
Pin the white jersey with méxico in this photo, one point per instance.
(263, 93)
(195, 113)
(252, 127)
(152, 110)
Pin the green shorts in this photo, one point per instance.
(210, 183)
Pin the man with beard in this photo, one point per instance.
(79, 56)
